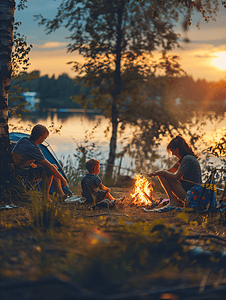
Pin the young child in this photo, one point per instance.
(92, 188)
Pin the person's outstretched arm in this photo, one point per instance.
(174, 176)
(173, 169)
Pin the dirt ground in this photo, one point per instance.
(30, 252)
(207, 226)
(137, 214)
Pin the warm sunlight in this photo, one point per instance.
(220, 60)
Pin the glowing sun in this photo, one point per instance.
(220, 60)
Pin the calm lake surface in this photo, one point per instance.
(76, 129)
(79, 127)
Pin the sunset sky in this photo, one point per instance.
(204, 57)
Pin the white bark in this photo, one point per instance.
(7, 8)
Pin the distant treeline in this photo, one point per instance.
(180, 92)
(201, 94)
(52, 92)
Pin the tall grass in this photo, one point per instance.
(46, 214)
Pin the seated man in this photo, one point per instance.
(26, 152)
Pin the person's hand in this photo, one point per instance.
(33, 165)
(64, 182)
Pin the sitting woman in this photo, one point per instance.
(182, 176)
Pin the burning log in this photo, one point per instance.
(143, 189)
(147, 196)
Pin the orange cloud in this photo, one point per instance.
(52, 45)
(53, 62)
(195, 59)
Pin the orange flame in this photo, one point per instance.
(142, 191)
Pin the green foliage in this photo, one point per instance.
(20, 64)
(13, 192)
(205, 221)
(218, 150)
(220, 147)
(74, 165)
(21, 4)
(117, 40)
(133, 248)
(74, 174)
(183, 216)
(222, 218)
(20, 59)
(207, 9)
(42, 240)
(46, 214)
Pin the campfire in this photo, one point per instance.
(143, 189)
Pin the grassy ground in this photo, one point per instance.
(125, 248)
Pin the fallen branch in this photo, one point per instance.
(61, 249)
(205, 236)
(93, 216)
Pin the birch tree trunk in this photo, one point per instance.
(7, 8)
(116, 94)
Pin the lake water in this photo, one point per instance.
(79, 129)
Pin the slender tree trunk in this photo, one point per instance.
(116, 94)
(7, 8)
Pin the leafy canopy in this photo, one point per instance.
(117, 40)
(116, 36)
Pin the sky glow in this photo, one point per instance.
(220, 60)
(203, 58)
